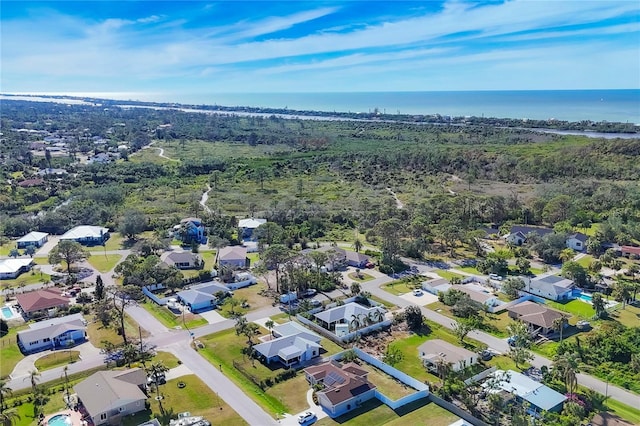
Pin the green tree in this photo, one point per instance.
(523, 265)
(414, 318)
(99, 289)
(357, 245)
(558, 325)
(269, 324)
(121, 298)
(512, 287)
(14, 253)
(69, 252)
(30, 250)
(5, 391)
(9, 417)
(274, 257)
(132, 223)
(464, 326)
(158, 370)
(521, 340)
(392, 355)
(598, 303)
(355, 289)
(621, 292)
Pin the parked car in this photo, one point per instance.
(486, 355)
(315, 303)
(162, 379)
(310, 292)
(369, 265)
(305, 417)
(417, 292)
(495, 277)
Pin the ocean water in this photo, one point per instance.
(571, 105)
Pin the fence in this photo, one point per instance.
(456, 410)
(156, 299)
(480, 375)
(322, 331)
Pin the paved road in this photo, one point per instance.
(501, 345)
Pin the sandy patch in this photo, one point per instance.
(422, 300)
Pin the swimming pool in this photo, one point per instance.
(7, 313)
(60, 420)
(586, 297)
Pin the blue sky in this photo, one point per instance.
(292, 46)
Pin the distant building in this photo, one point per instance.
(201, 297)
(436, 351)
(535, 315)
(41, 302)
(12, 268)
(190, 230)
(247, 226)
(577, 241)
(289, 344)
(523, 388)
(518, 234)
(550, 287)
(234, 257)
(182, 260)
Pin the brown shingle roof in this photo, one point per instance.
(535, 314)
(526, 308)
(41, 299)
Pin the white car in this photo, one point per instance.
(417, 292)
(495, 277)
(306, 416)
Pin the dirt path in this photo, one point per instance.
(399, 203)
(205, 197)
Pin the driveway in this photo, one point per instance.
(422, 300)
(212, 316)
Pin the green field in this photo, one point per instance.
(171, 320)
(576, 307)
(448, 275)
(104, 263)
(56, 359)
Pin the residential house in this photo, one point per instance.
(247, 226)
(518, 234)
(190, 230)
(436, 286)
(353, 314)
(336, 257)
(536, 315)
(233, 257)
(551, 287)
(523, 388)
(478, 294)
(182, 260)
(36, 239)
(577, 241)
(630, 252)
(434, 352)
(43, 302)
(51, 172)
(289, 344)
(54, 333)
(29, 183)
(357, 260)
(100, 158)
(345, 387)
(110, 395)
(87, 235)
(12, 268)
(201, 297)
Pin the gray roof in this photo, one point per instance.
(286, 347)
(552, 284)
(293, 328)
(181, 257)
(529, 229)
(105, 390)
(32, 236)
(439, 349)
(232, 253)
(345, 312)
(52, 328)
(356, 257)
(579, 236)
(528, 389)
(201, 293)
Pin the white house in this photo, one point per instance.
(577, 241)
(36, 239)
(247, 226)
(539, 396)
(289, 344)
(87, 235)
(12, 268)
(478, 293)
(54, 333)
(436, 351)
(551, 287)
(436, 286)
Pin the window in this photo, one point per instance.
(103, 416)
(121, 409)
(47, 339)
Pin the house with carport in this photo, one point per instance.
(344, 387)
(232, 257)
(36, 239)
(109, 396)
(289, 343)
(434, 352)
(43, 302)
(87, 235)
(12, 268)
(53, 333)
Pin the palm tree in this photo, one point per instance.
(9, 417)
(378, 315)
(5, 391)
(598, 304)
(354, 323)
(566, 367)
(34, 377)
(558, 325)
(566, 255)
(269, 324)
(158, 369)
(357, 245)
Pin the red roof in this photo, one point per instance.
(41, 299)
(630, 250)
(30, 182)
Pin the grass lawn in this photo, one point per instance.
(576, 307)
(385, 303)
(167, 358)
(503, 362)
(448, 275)
(11, 354)
(26, 278)
(585, 261)
(536, 271)
(253, 258)
(280, 318)
(495, 324)
(361, 278)
(469, 269)
(115, 242)
(631, 414)
(104, 263)
(386, 384)
(5, 249)
(398, 288)
(628, 316)
(171, 320)
(97, 333)
(223, 348)
(196, 397)
(56, 359)
(591, 231)
(292, 393)
(375, 413)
